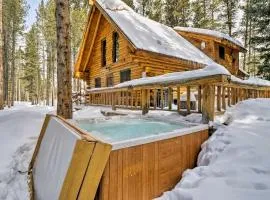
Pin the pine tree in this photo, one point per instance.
(64, 85)
(157, 10)
(177, 12)
(32, 68)
(260, 10)
(228, 15)
(201, 18)
(130, 3)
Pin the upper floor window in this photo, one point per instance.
(125, 75)
(222, 52)
(115, 50)
(97, 82)
(103, 52)
(110, 80)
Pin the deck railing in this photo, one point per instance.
(210, 99)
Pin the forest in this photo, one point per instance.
(29, 56)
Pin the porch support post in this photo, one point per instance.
(208, 105)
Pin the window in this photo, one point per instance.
(97, 82)
(103, 52)
(222, 52)
(125, 75)
(110, 80)
(115, 50)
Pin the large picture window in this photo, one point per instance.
(115, 50)
(103, 52)
(125, 75)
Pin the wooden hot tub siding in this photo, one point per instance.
(148, 170)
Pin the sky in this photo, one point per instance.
(31, 17)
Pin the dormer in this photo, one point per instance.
(222, 48)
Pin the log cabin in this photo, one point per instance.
(121, 45)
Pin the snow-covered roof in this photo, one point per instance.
(213, 33)
(254, 81)
(149, 35)
(173, 78)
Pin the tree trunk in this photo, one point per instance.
(48, 81)
(1, 59)
(64, 99)
(13, 65)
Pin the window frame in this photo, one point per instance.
(124, 79)
(97, 80)
(103, 52)
(221, 49)
(115, 48)
(110, 76)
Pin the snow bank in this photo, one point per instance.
(150, 35)
(19, 129)
(213, 33)
(234, 163)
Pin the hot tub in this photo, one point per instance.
(148, 155)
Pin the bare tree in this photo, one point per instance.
(64, 75)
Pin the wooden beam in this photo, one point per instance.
(92, 43)
(208, 106)
(178, 99)
(170, 93)
(219, 98)
(145, 109)
(224, 98)
(199, 98)
(188, 100)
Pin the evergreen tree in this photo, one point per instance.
(156, 11)
(228, 15)
(260, 10)
(130, 3)
(31, 68)
(177, 12)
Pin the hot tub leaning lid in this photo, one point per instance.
(71, 161)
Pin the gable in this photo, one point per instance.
(98, 25)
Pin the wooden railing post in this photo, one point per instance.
(199, 98)
(170, 98)
(229, 96)
(224, 98)
(208, 105)
(188, 100)
(219, 98)
(144, 101)
(178, 99)
(113, 100)
(162, 98)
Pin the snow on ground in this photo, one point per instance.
(19, 128)
(234, 163)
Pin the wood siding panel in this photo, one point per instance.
(146, 171)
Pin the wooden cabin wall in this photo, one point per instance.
(212, 50)
(106, 30)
